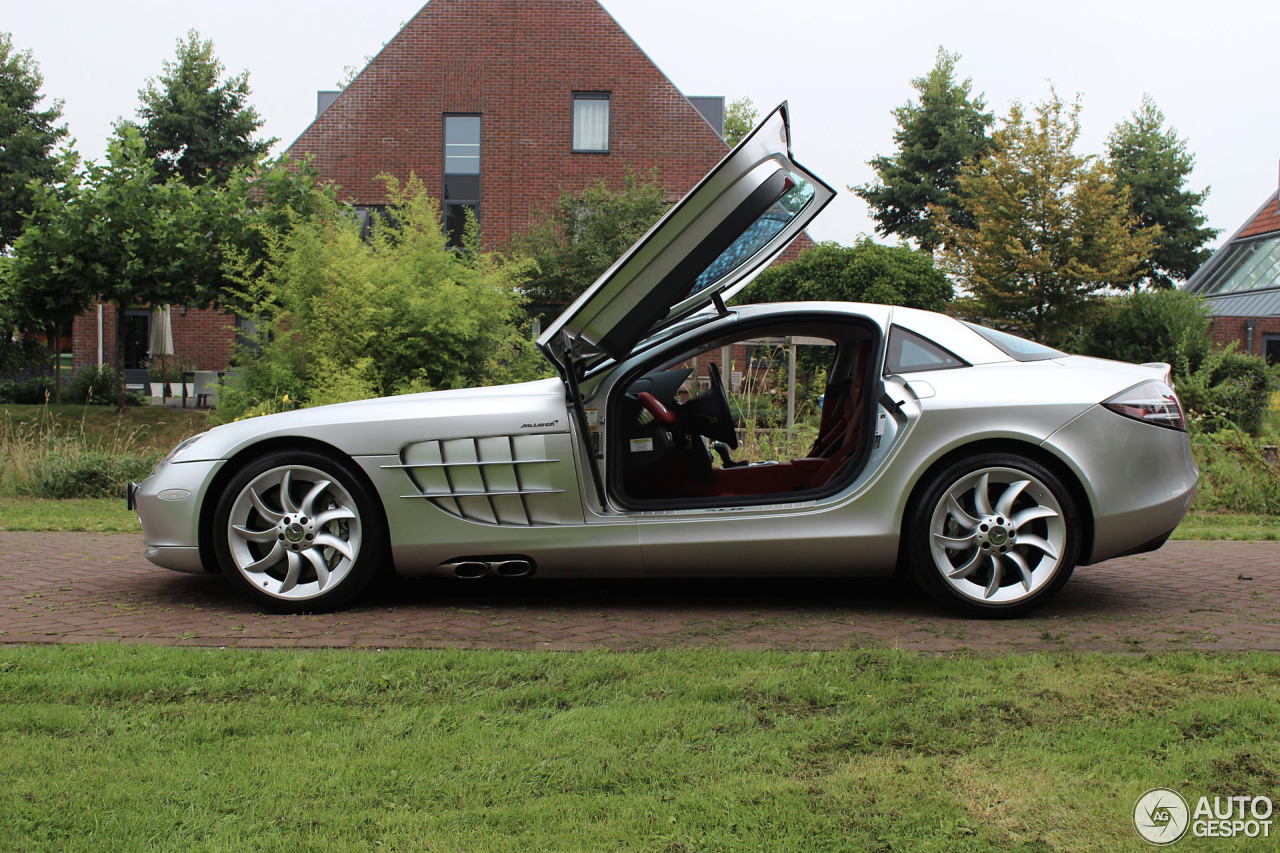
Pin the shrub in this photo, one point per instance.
(864, 272)
(1230, 389)
(90, 385)
(343, 318)
(93, 385)
(1234, 474)
(1162, 325)
(79, 473)
(27, 390)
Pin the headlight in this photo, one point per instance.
(173, 454)
(1152, 403)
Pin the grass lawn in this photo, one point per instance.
(98, 515)
(142, 748)
(1223, 525)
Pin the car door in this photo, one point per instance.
(708, 246)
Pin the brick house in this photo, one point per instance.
(1241, 284)
(502, 105)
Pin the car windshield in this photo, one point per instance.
(1015, 347)
(757, 235)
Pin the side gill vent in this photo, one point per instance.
(503, 479)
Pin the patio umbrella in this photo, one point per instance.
(162, 341)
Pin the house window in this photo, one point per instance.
(461, 174)
(1247, 265)
(591, 121)
(1271, 349)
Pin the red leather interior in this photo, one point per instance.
(839, 439)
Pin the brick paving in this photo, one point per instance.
(86, 587)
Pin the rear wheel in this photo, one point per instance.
(994, 535)
(298, 531)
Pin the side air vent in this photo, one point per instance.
(504, 479)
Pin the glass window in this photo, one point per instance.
(461, 190)
(590, 121)
(1020, 349)
(462, 145)
(908, 353)
(757, 235)
(1271, 349)
(1249, 265)
(455, 221)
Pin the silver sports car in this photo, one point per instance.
(985, 466)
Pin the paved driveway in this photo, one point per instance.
(82, 587)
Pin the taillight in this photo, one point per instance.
(1152, 403)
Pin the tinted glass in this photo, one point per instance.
(757, 235)
(1015, 347)
(455, 222)
(908, 353)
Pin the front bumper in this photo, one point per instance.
(168, 505)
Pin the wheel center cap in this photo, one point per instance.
(294, 532)
(997, 536)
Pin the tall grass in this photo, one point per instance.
(1235, 474)
(47, 460)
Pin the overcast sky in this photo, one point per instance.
(843, 66)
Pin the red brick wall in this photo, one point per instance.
(517, 64)
(1224, 330)
(202, 339)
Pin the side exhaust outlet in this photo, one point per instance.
(506, 567)
(512, 568)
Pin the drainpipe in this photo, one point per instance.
(1248, 336)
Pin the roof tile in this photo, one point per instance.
(1267, 220)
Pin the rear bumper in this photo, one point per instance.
(1140, 479)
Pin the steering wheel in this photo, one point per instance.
(721, 426)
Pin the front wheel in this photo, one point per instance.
(298, 531)
(994, 535)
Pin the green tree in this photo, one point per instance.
(47, 283)
(864, 272)
(1051, 229)
(740, 118)
(344, 318)
(582, 234)
(195, 124)
(120, 233)
(937, 135)
(28, 135)
(1154, 164)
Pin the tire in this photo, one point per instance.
(995, 535)
(298, 531)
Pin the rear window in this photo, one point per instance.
(1019, 349)
(910, 353)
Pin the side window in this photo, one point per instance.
(909, 353)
